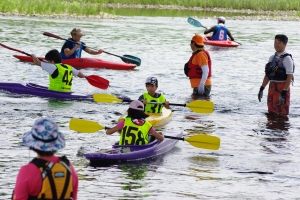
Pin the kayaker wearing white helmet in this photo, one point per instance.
(220, 31)
(134, 129)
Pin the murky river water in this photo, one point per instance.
(258, 157)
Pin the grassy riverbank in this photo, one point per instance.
(95, 7)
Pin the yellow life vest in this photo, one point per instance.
(57, 179)
(135, 132)
(63, 82)
(154, 108)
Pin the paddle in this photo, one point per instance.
(94, 80)
(198, 140)
(124, 58)
(198, 106)
(17, 50)
(196, 23)
(98, 81)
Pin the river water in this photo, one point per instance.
(259, 154)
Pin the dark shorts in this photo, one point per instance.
(274, 93)
(207, 90)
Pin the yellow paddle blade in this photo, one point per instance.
(85, 126)
(204, 141)
(201, 106)
(106, 98)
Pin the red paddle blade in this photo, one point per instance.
(98, 81)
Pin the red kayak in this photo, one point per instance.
(87, 63)
(219, 43)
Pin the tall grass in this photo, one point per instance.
(48, 7)
(94, 7)
(270, 5)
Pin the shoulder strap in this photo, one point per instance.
(157, 95)
(65, 160)
(286, 54)
(39, 162)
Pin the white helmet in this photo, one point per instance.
(221, 20)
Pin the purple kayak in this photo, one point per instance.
(41, 91)
(131, 153)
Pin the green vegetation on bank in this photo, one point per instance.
(270, 5)
(94, 7)
(48, 7)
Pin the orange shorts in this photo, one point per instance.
(196, 81)
(274, 106)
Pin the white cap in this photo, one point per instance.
(137, 105)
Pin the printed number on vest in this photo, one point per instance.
(153, 108)
(221, 35)
(65, 78)
(129, 132)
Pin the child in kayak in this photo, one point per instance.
(152, 96)
(134, 128)
(60, 75)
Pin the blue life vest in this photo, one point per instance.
(221, 33)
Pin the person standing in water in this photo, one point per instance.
(47, 176)
(279, 72)
(199, 67)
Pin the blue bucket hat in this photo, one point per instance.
(44, 136)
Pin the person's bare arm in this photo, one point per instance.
(36, 60)
(113, 130)
(93, 52)
(80, 75)
(157, 135)
(167, 105)
(288, 81)
(265, 81)
(68, 52)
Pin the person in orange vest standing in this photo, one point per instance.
(199, 67)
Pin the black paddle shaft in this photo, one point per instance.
(171, 137)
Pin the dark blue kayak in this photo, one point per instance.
(41, 91)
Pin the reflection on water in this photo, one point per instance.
(278, 123)
(204, 161)
(276, 134)
(133, 174)
(55, 104)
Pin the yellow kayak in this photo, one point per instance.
(156, 119)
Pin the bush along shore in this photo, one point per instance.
(258, 10)
(275, 15)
